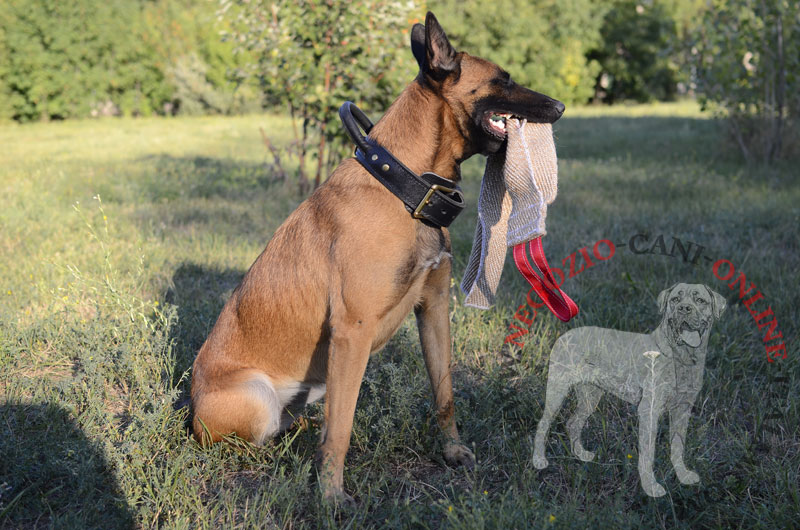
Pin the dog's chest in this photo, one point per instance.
(689, 378)
(432, 248)
(430, 252)
(433, 261)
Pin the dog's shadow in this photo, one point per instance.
(199, 292)
(52, 475)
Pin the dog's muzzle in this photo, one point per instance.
(688, 331)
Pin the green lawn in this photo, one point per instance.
(121, 240)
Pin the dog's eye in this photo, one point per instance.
(504, 80)
(675, 300)
(701, 301)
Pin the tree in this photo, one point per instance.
(638, 54)
(316, 54)
(66, 58)
(748, 69)
(185, 38)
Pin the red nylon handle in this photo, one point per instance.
(544, 285)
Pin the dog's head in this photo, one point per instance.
(689, 310)
(479, 94)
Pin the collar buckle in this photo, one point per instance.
(417, 214)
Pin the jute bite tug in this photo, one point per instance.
(341, 273)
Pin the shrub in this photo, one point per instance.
(312, 55)
(748, 69)
(64, 58)
(637, 54)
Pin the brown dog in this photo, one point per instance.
(342, 272)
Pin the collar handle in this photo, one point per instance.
(354, 121)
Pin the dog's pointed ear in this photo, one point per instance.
(663, 298)
(440, 56)
(719, 302)
(418, 44)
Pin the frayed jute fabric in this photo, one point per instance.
(517, 186)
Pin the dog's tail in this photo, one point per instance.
(247, 405)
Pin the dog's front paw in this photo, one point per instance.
(338, 497)
(654, 489)
(688, 477)
(540, 462)
(583, 454)
(456, 454)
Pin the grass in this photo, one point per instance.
(122, 239)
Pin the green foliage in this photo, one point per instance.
(202, 69)
(67, 58)
(542, 43)
(637, 53)
(194, 93)
(315, 54)
(748, 68)
(77, 58)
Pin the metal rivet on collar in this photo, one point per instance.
(374, 157)
(385, 167)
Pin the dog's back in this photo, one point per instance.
(595, 345)
(611, 359)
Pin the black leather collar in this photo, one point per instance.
(429, 197)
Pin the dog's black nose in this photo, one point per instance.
(560, 107)
(685, 308)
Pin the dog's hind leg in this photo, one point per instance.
(588, 397)
(247, 406)
(557, 389)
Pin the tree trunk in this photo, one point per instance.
(320, 155)
(738, 134)
(330, 159)
(281, 173)
(301, 170)
(322, 126)
(780, 93)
